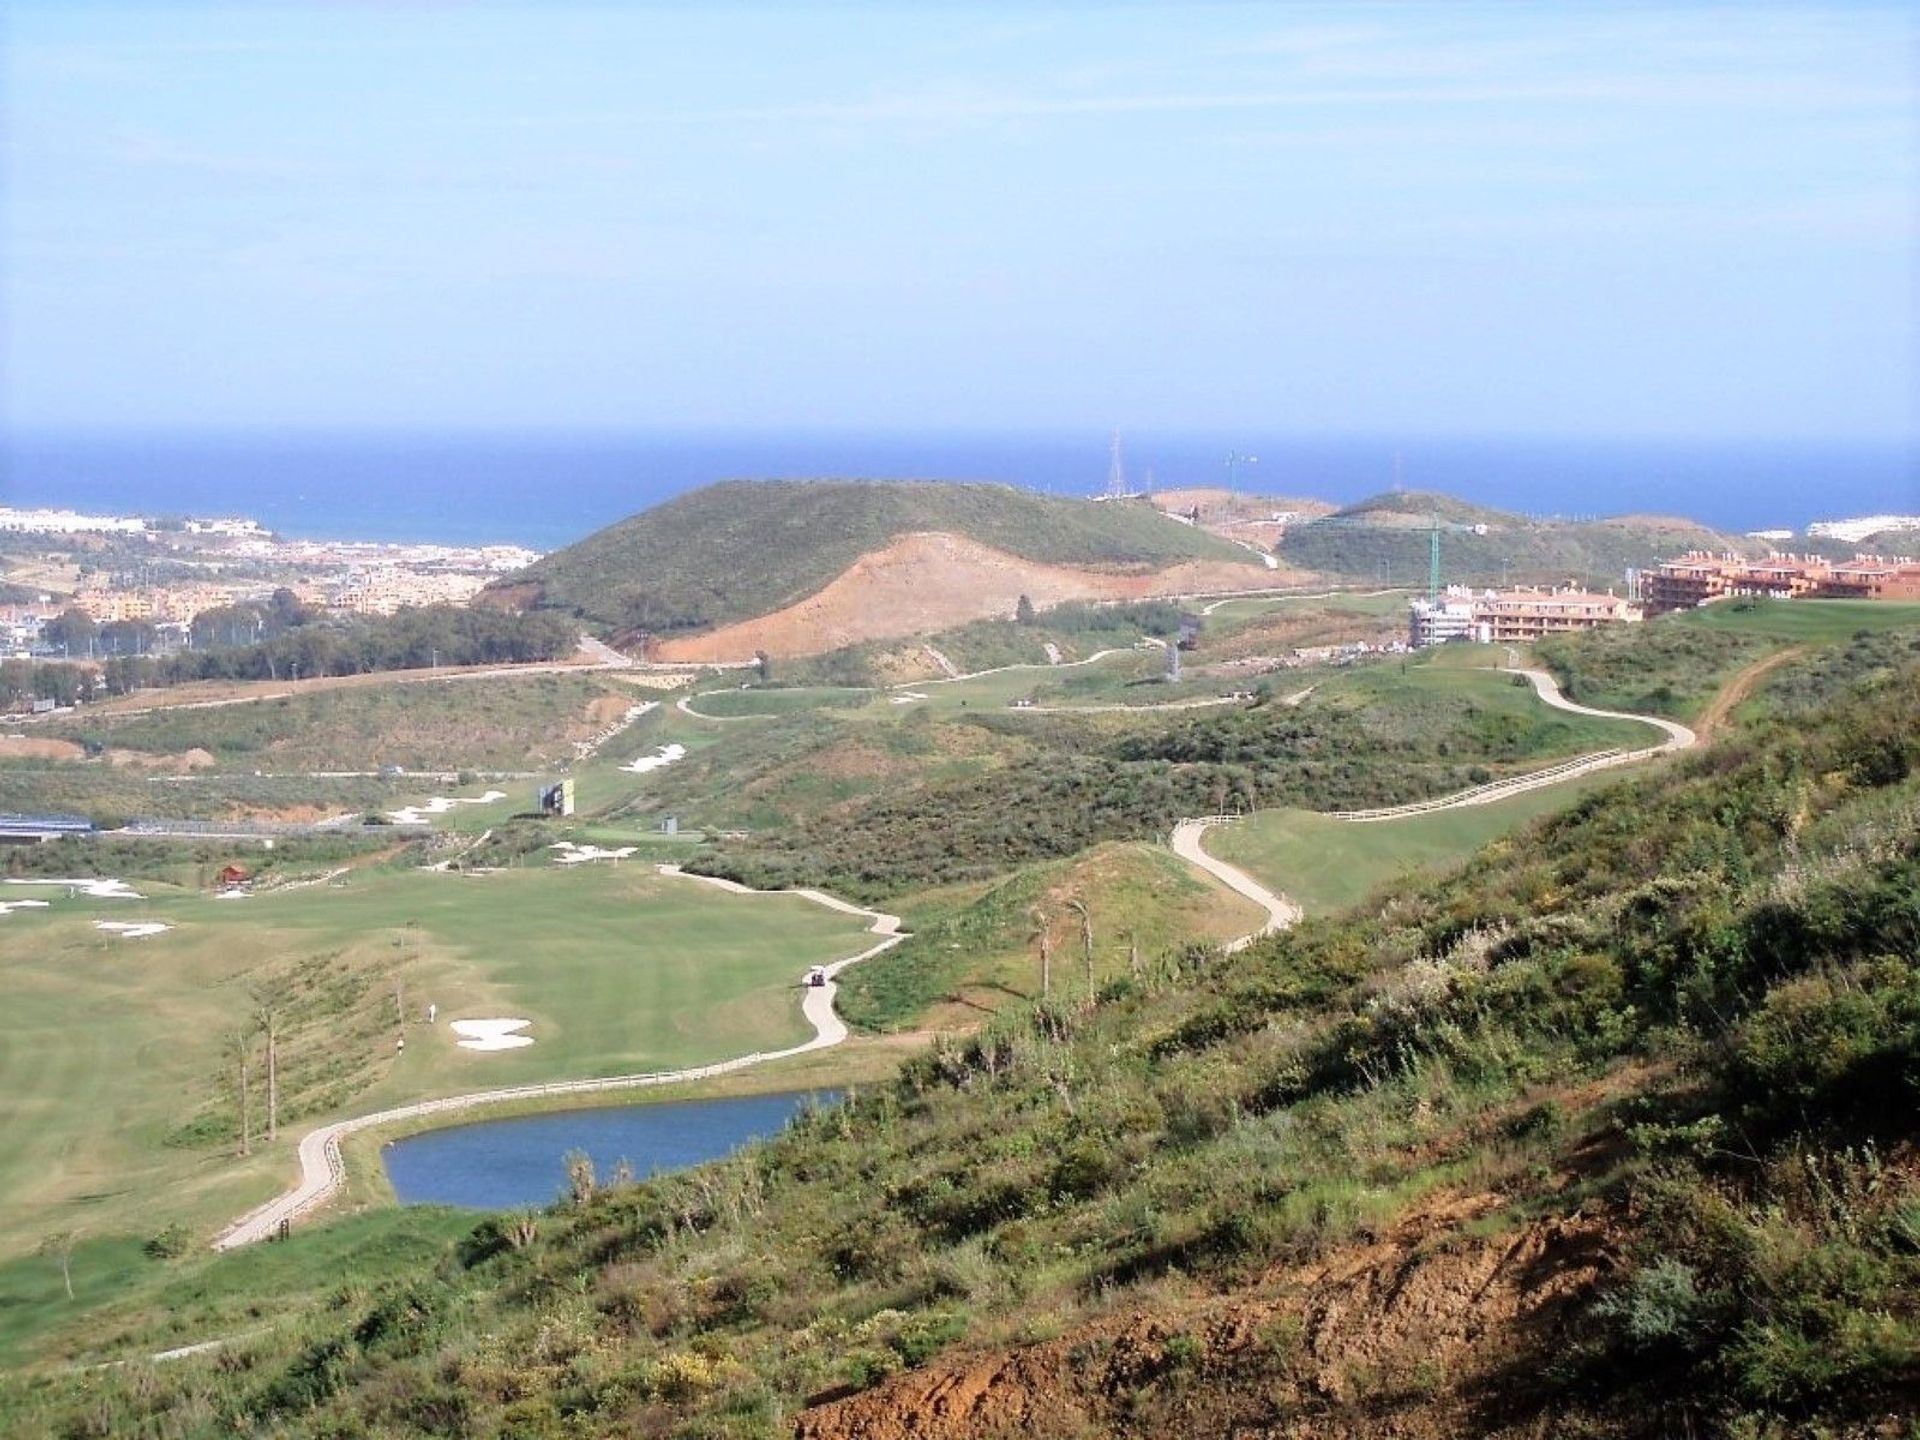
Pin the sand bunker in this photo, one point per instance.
(129, 930)
(908, 697)
(7, 907)
(586, 749)
(440, 805)
(91, 889)
(573, 854)
(665, 755)
(490, 1034)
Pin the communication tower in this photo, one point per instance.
(1116, 470)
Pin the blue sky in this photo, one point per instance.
(1637, 220)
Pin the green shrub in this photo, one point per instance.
(1659, 1307)
(168, 1244)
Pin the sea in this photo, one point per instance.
(545, 491)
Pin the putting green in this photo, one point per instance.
(1811, 621)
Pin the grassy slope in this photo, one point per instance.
(619, 969)
(975, 951)
(745, 548)
(1326, 865)
(1672, 667)
(1804, 621)
(1367, 1177)
(111, 795)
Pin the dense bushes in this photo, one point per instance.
(1664, 667)
(1084, 783)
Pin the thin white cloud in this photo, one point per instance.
(1722, 91)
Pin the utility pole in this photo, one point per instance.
(270, 1022)
(1433, 564)
(1234, 461)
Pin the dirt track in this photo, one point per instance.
(1715, 716)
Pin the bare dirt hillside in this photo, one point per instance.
(1421, 1333)
(1239, 517)
(931, 581)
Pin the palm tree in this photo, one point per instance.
(1079, 907)
(60, 1245)
(240, 1050)
(1046, 952)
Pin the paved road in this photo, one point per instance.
(323, 1170)
(1200, 702)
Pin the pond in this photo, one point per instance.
(507, 1164)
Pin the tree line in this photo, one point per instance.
(280, 641)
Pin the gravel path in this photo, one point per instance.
(323, 1170)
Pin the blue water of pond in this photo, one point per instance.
(505, 1164)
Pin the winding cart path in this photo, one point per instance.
(1282, 913)
(323, 1169)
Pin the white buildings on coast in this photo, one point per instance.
(68, 522)
(1854, 531)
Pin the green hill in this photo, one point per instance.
(1418, 507)
(1609, 1134)
(745, 548)
(1385, 540)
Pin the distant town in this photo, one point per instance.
(152, 579)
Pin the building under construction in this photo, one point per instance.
(1512, 617)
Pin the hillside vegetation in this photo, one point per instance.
(1378, 735)
(1385, 540)
(1674, 663)
(746, 548)
(508, 722)
(1611, 1134)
